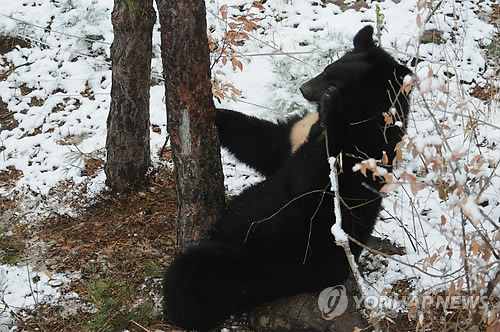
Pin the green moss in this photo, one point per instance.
(11, 250)
(132, 8)
(494, 46)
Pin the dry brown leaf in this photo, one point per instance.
(443, 220)
(223, 12)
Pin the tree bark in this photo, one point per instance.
(127, 141)
(191, 117)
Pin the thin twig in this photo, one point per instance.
(48, 30)
(311, 222)
(375, 251)
(164, 145)
(478, 314)
(254, 223)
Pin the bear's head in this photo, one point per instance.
(362, 88)
(366, 75)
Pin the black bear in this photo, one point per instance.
(274, 239)
(264, 145)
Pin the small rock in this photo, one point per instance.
(51, 262)
(55, 283)
(301, 313)
(432, 36)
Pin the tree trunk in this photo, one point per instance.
(127, 141)
(191, 117)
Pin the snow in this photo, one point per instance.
(337, 231)
(20, 287)
(62, 65)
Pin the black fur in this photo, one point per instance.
(274, 239)
(260, 144)
(368, 79)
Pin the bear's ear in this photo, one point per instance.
(364, 39)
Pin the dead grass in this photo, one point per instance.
(8, 43)
(433, 318)
(7, 120)
(486, 93)
(356, 5)
(124, 239)
(9, 177)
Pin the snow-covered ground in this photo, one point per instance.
(58, 92)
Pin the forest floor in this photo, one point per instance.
(113, 252)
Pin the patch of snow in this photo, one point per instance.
(21, 287)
